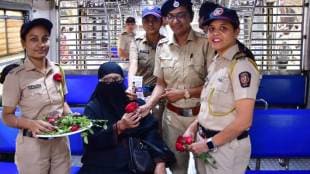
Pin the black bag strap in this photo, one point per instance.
(152, 146)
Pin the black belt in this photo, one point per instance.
(28, 133)
(207, 133)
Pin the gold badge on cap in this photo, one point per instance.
(176, 4)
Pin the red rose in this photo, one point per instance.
(74, 127)
(188, 140)
(51, 120)
(180, 139)
(179, 147)
(57, 77)
(131, 107)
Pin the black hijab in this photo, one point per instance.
(111, 97)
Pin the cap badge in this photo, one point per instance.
(176, 4)
(218, 12)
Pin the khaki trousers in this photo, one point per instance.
(173, 126)
(37, 156)
(231, 158)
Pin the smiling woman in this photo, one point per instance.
(32, 87)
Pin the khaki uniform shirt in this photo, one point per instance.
(183, 67)
(225, 84)
(144, 53)
(36, 93)
(124, 40)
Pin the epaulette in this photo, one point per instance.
(238, 57)
(201, 34)
(17, 69)
(139, 37)
(124, 33)
(162, 41)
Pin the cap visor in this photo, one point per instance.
(151, 13)
(208, 21)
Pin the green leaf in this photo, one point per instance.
(85, 139)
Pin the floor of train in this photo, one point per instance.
(266, 164)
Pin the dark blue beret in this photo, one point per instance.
(206, 8)
(170, 5)
(222, 13)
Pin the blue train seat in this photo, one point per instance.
(7, 138)
(278, 172)
(283, 90)
(114, 52)
(80, 88)
(280, 133)
(10, 168)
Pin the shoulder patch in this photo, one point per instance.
(245, 79)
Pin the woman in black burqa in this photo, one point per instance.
(107, 150)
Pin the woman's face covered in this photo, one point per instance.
(110, 90)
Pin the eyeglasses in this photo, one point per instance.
(178, 16)
(221, 29)
(110, 80)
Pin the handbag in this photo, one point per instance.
(141, 161)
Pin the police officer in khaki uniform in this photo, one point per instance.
(142, 55)
(32, 87)
(227, 99)
(180, 67)
(142, 50)
(125, 38)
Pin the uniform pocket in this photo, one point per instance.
(195, 68)
(222, 84)
(220, 103)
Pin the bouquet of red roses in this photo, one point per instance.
(182, 144)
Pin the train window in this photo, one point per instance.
(277, 35)
(10, 45)
(88, 32)
(274, 31)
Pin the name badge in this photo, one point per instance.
(34, 86)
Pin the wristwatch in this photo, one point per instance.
(211, 146)
(187, 95)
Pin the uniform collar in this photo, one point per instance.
(29, 66)
(230, 53)
(191, 36)
(144, 40)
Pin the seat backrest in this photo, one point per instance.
(80, 88)
(280, 133)
(7, 138)
(283, 90)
